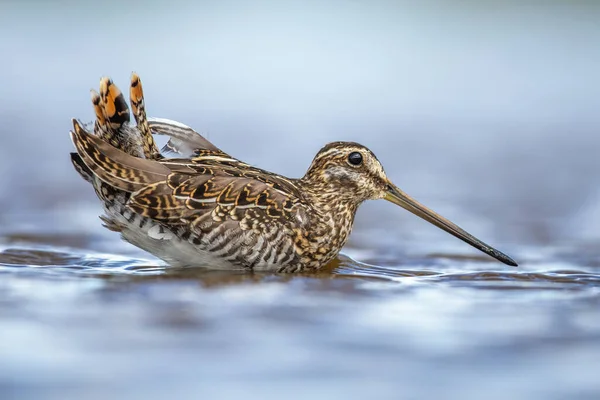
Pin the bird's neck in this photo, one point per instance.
(334, 208)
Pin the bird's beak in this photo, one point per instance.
(400, 198)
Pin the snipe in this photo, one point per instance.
(206, 208)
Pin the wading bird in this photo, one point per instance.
(206, 208)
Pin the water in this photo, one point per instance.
(486, 113)
(77, 322)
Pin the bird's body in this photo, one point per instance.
(206, 208)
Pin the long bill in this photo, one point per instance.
(400, 198)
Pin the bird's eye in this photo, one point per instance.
(355, 158)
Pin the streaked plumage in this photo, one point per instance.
(206, 208)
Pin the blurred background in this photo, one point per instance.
(486, 111)
(484, 108)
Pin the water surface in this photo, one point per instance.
(84, 315)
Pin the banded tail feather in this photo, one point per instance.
(112, 119)
(115, 107)
(138, 106)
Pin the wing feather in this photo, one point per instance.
(114, 166)
(183, 140)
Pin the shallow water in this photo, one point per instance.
(79, 320)
(487, 113)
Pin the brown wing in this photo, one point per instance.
(201, 202)
(113, 166)
(200, 193)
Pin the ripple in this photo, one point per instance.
(508, 279)
(50, 261)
